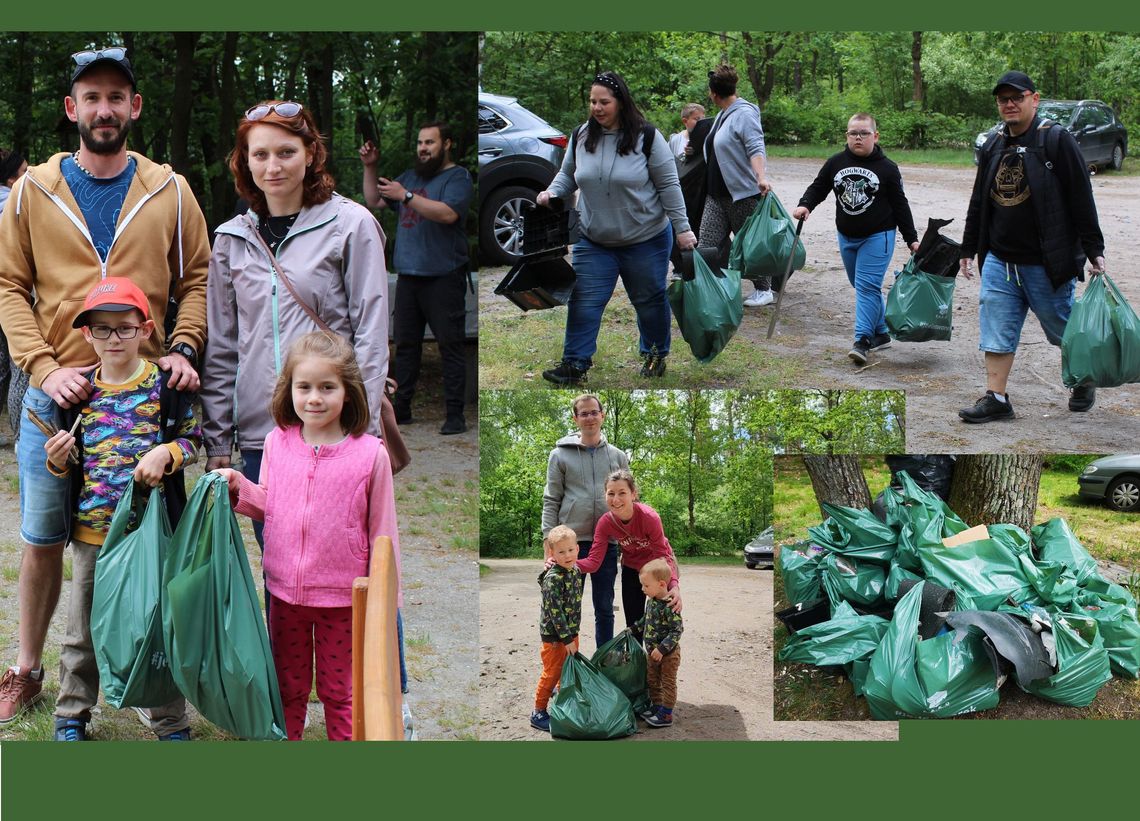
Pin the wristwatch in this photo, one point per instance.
(408, 197)
(186, 351)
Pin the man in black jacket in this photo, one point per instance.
(1032, 222)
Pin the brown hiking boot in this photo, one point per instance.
(18, 692)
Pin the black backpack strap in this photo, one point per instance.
(648, 132)
(574, 143)
(1048, 137)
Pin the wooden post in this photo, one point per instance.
(383, 713)
(359, 605)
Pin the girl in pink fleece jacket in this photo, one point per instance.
(325, 494)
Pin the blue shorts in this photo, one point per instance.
(1008, 291)
(43, 497)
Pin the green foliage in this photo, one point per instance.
(1073, 463)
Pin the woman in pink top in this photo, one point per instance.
(636, 528)
(325, 494)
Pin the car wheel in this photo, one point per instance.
(1123, 494)
(1117, 157)
(500, 224)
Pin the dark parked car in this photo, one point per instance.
(1115, 479)
(519, 154)
(1100, 134)
(760, 552)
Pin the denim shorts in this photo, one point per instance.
(1008, 291)
(43, 497)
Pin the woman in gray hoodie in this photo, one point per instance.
(631, 207)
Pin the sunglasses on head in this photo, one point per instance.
(84, 58)
(287, 110)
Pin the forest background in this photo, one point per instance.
(928, 89)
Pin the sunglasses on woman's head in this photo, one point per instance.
(286, 110)
(83, 58)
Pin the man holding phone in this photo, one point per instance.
(432, 199)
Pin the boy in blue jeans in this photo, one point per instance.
(869, 205)
(131, 429)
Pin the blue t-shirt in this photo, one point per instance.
(427, 248)
(99, 200)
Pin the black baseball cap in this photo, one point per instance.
(1016, 79)
(112, 55)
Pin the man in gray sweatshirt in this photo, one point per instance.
(575, 496)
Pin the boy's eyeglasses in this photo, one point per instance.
(860, 135)
(84, 58)
(105, 331)
(1005, 99)
(287, 110)
(589, 414)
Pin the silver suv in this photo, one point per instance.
(519, 154)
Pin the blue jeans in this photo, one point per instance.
(866, 260)
(643, 268)
(251, 469)
(602, 591)
(1007, 292)
(43, 497)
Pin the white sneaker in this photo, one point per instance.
(758, 299)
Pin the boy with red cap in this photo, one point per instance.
(131, 428)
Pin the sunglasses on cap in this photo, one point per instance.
(287, 110)
(89, 56)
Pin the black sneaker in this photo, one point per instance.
(652, 365)
(858, 352)
(880, 341)
(1081, 398)
(455, 424)
(70, 729)
(988, 409)
(565, 374)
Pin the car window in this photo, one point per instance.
(1100, 116)
(490, 121)
(1060, 114)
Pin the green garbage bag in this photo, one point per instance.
(920, 306)
(846, 638)
(126, 614)
(799, 568)
(707, 307)
(855, 533)
(1118, 628)
(1082, 663)
(895, 577)
(588, 706)
(215, 636)
(763, 244)
(848, 580)
(985, 572)
(622, 661)
(1101, 343)
(1055, 542)
(941, 677)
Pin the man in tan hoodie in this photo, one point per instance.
(71, 222)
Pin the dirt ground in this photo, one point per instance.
(817, 317)
(438, 542)
(724, 684)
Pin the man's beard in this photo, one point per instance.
(430, 167)
(105, 147)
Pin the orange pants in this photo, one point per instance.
(661, 676)
(553, 657)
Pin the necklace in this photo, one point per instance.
(272, 238)
(79, 165)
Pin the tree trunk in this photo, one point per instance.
(181, 103)
(996, 489)
(916, 64)
(838, 480)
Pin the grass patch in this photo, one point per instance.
(515, 348)
(417, 642)
(484, 570)
(907, 156)
(461, 721)
(1105, 533)
(10, 574)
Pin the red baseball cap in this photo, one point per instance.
(113, 294)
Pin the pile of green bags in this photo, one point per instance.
(178, 613)
(873, 576)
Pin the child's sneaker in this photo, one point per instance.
(70, 729)
(662, 718)
(540, 720)
(649, 711)
(177, 735)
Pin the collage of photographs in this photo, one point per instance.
(574, 385)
